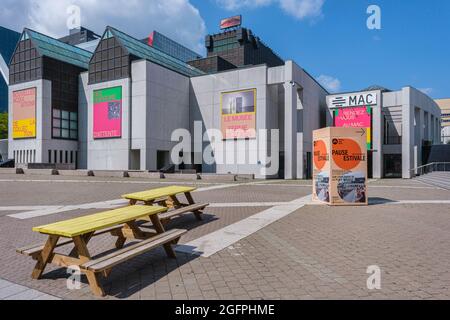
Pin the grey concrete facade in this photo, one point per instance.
(109, 154)
(38, 150)
(205, 98)
(288, 100)
(155, 102)
(403, 121)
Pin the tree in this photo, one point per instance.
(3, 125)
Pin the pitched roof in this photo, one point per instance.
(52, 48)
(144, 51)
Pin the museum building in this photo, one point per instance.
(400, 126)
(114, 101)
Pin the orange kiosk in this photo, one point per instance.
(340, 166)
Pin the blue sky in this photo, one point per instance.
(412, 48)
(329, 38)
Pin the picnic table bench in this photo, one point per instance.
(168, 197)
(121, 223)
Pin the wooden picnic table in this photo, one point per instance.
(168, 197)
(121, 223)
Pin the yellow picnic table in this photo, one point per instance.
(168, 197)
(121, 223)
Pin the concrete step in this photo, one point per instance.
(438, 179)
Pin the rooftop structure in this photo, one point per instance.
(238, 47)
(80, 35)
(171, 47)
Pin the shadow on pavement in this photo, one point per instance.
(379, 201)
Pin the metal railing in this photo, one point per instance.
(431, 167)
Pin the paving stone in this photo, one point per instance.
(11, 290)
(317, 252)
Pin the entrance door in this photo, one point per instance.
(163, 159)
(135, 160)
(392, 165)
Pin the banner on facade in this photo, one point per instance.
(355, 117)
(24, 114)
(238, 114)
(108, 113)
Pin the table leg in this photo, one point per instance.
(94, 283)
(133, 202)
(86, 238)
(157, 224)
(81, 247)
(169, 250)
(191, 201)
(45, 257)
(120, 242)
(84, 256)
(175, 202)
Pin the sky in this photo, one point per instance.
(328, 38)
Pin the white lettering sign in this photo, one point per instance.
(358, 100)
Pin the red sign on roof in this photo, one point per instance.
(151, 38)
(231, 22)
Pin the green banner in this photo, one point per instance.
(109, 94)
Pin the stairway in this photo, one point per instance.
(438, 179)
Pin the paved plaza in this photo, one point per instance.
(258, 240)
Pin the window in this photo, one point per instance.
(65, 125)
(392, 133)
(25, 64)
(109, 62)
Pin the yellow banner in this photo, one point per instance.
(25, 128)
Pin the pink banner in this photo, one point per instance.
(353, 118)
(108, 120)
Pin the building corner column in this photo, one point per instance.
(408, 134)
(377, 138)
(290, 127)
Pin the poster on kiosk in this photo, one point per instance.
(340, 166)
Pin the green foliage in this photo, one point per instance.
(3, 125)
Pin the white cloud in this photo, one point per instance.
(333, 85)
(299, 9)
(178, 19)
(238, 4)
(303, 8)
